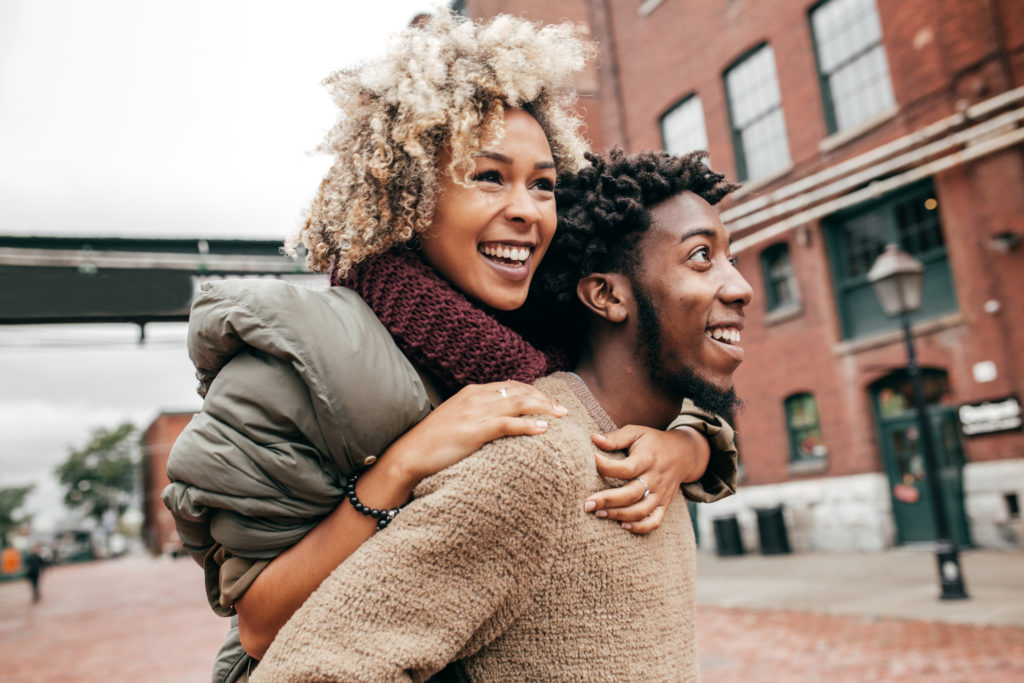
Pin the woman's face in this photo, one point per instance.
(487, 239)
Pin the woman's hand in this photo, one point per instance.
(476, 415)
(663, 460)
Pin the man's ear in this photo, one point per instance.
(606, 295)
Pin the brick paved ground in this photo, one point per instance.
(134, 619)
(140, 619)
(773, 645)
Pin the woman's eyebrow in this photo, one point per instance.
(505, 159)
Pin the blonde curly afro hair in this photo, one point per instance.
(440, 87)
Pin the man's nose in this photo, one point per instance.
(736, 289)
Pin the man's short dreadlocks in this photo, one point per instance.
(605, 209)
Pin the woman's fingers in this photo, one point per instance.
(516, 398)
(648, 523)
(619, 439)
(617, 498)
(624, 468)
(630, 513)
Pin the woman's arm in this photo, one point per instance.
(455, 567)
(461, 425)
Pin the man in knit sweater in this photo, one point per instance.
(495, 565)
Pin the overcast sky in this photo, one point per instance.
(187, 118)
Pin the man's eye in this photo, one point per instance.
(700, 254)
(488, 177)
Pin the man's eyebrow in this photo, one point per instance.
(504, 159)
(698, 232)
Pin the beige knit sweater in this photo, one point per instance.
(495, 564)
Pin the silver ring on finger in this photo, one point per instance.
(502, 392)
(647, 490)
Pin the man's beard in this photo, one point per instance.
(685, 381)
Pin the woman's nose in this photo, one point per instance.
(521, 206)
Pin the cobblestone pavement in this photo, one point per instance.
(144, 619)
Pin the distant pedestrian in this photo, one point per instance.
(34, 564)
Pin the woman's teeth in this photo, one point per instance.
(727, 335)
(518, 254)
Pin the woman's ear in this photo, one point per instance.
(605, 294)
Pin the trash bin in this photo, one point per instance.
(727, 536)
(771, 527)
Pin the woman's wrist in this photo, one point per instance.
(701, 450)
(391, 480)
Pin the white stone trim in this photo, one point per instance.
(985, 487)
(829, 513)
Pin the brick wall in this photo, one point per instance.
(157, 441)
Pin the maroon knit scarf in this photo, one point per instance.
(438, 328)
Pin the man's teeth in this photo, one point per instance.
(506, 252)
(729, 335)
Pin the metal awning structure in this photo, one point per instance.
(134, 280)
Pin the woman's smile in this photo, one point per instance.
(509, 259)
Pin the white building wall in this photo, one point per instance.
(855, 512)
(986, 485)
(834, 513)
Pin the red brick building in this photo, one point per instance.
(851, 124)
(159, 532)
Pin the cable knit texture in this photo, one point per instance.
(496, 565)
(438, 328)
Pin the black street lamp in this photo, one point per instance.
(897, 278)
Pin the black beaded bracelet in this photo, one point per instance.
(383, 517)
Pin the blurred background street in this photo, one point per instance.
(823, 617)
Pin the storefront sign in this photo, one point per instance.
(991, 417)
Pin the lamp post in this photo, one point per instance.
(897, 278)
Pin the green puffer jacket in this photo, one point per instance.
(300, 388)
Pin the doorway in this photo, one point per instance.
(903, 458)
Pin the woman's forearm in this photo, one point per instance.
(284, 585)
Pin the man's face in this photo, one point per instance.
(690, 301)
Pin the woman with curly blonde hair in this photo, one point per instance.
(432, 221)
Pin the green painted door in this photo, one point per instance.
(904, 464)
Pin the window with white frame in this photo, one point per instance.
(755, 115)
(682, 127)
(852, 65)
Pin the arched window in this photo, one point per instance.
(780, 290)
(755, 115)
(805, 439)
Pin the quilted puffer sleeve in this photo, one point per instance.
(300, 387)
(719, 479)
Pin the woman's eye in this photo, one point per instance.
(734, 260)
(488, 177)
(545, 185)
